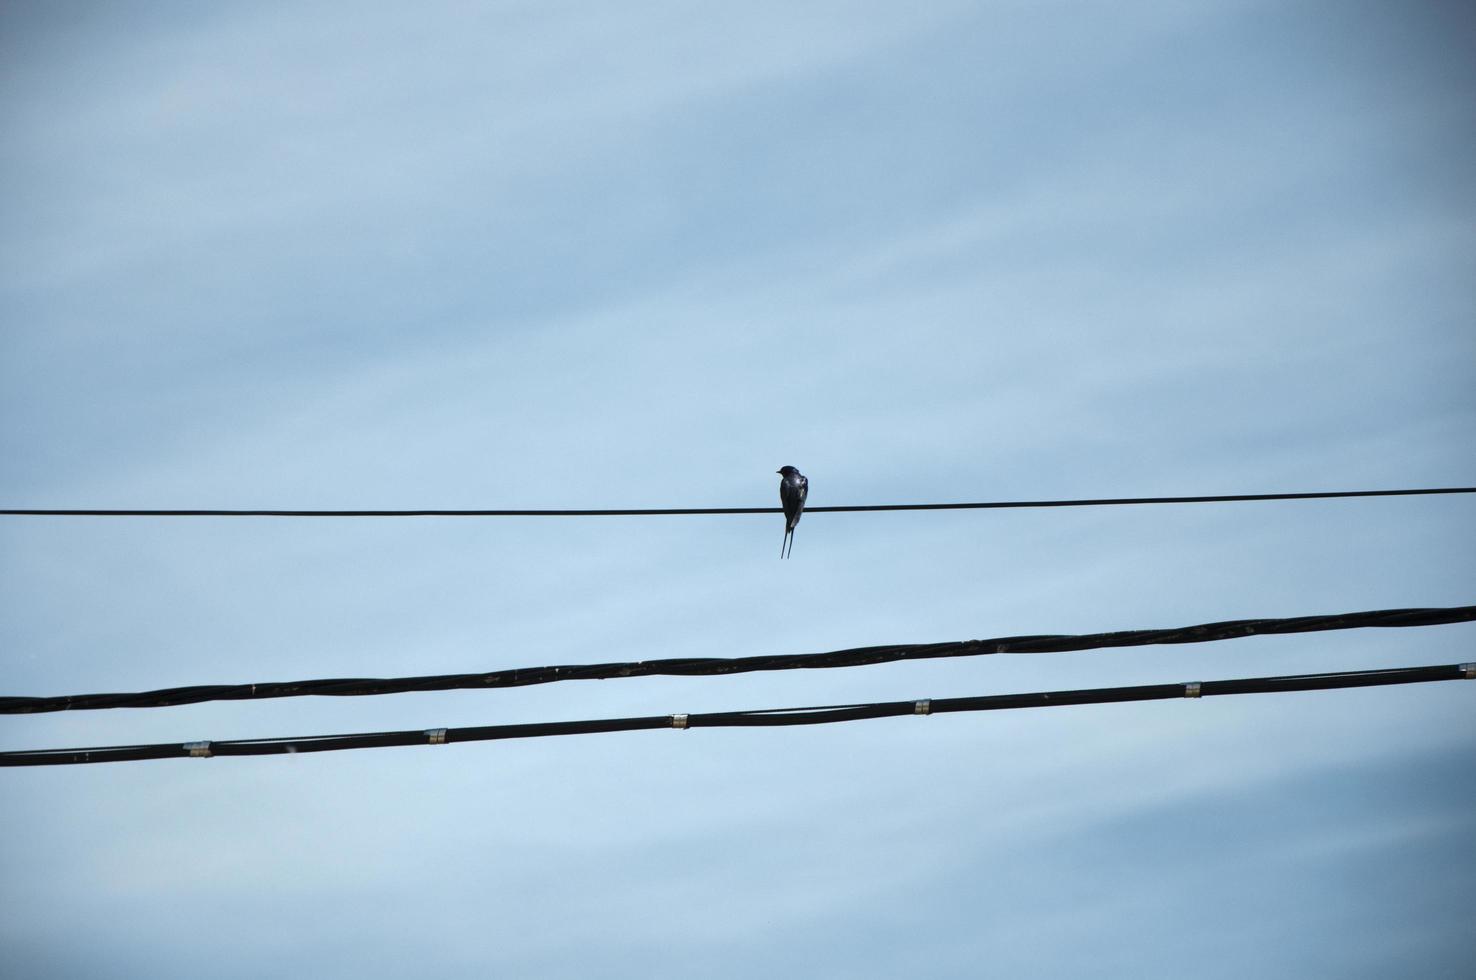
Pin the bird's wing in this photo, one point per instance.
(791, 495)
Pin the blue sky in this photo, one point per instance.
(530, 254)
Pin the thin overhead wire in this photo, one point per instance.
(770, 718)
(716, 666)
(724, 511)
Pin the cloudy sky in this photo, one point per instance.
(530, 254)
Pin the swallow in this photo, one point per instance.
(793, 489)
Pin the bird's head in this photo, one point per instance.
(787, 471)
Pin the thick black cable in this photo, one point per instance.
(772, 718)
(685, 511)
(713, 666)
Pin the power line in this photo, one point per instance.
(723, 511)
(776, 717)
(710, 666)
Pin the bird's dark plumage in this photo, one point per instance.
(793, 489)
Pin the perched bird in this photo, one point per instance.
(793, 489)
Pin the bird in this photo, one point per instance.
(794, 487)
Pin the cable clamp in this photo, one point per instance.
(435, 736)
(198, 750)
(678, 721)
(1468, 671)
(1191, 690)
(923, 707)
